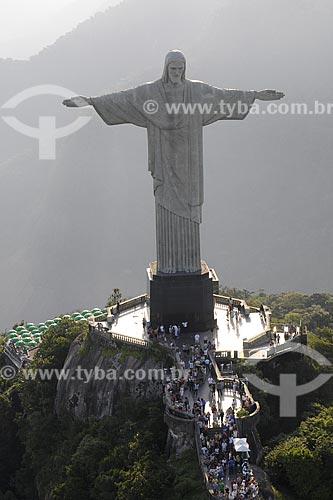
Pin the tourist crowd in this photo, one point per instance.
(229, 475)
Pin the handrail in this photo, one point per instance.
(130, 303)
(254, 339)
(289, 345)
(223, 299)
(110, 336)
(182, 416)
(229, 379)
(178, 413)
(201, 465)
(124, 306)
(129, 340)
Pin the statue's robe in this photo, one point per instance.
(175, 156)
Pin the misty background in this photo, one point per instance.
(26, 27)
(74, 228)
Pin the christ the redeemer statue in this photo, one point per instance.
(175, 149)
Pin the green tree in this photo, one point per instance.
(316, 316)
(304, 458)
(116, 296)
(10, 446)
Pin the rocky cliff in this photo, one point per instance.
(97, 373)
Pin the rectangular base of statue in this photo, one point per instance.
(182, 297)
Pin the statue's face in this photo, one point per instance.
(175, 71)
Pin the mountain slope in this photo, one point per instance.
(74, 228)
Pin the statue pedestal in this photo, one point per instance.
(179, 297)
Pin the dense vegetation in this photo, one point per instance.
(299, 455)
(123, 456)
(117, 458)
(304, 459)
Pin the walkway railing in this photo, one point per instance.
(203, 469)
(130, 340)
(109, 338)
(290, 345)
(224, 300)
(265, 312)
(126, 305)
(248, 423)
(140, 300)
(176, 417)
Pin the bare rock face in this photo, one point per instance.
(178, 443)
(265, 485)
(96, 375)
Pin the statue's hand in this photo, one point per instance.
(269, 95)
(76, 102)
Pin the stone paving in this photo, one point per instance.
(228, 336)
(231, 332)
(130, 322)
(225, 400)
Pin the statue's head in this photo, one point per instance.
(174, 67)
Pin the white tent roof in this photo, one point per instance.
(241, 445)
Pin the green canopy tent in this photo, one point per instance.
(31, 328)
(32, 343)
(75, 315)
(13, 335)
(15, 340)
(96, 312)
(98, 315)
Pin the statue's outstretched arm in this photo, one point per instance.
(269, 95)
(77, 102)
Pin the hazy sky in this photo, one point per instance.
(26, 26)
(273, 174)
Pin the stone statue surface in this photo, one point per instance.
(174, 111)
